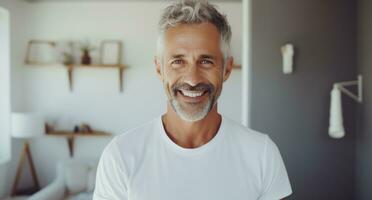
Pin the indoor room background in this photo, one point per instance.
(331, 42)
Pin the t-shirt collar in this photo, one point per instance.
(191, 151)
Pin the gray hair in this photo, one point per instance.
(194, 12)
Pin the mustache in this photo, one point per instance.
(199, 87)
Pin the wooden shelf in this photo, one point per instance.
(70, 136)
(70, 69)
(96, 66)
(69, 133)
(50, 46)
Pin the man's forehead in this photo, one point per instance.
(201, 30)
(198, 38)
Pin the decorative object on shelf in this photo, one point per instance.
(111, 52)
(287, 53)
(76, 129)
(86, 48)
(82, 128)
(336, 127)
(85, 59)
(41, 52)
(85, 128)
(26, 126)
(67, 58)
(48, 127)
(66, 51)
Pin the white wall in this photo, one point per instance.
(96, 98)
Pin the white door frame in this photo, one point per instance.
(246, 63)
(5, 85)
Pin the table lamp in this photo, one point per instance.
(26, 126)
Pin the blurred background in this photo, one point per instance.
(85, 67)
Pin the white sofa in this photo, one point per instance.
(75, 181)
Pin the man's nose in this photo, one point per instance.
(193, 75)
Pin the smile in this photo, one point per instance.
(192, 93)
(192, 96)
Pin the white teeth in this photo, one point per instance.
(192, 94)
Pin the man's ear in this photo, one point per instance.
(229, 67)
(158, 68)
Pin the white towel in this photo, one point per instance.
(336, 127)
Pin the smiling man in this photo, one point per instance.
(192, 152)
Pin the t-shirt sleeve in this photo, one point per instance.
(111, 178)
(276, 183)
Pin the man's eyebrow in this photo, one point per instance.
(177, 56)
(207, 56)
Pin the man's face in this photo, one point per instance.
(191, 69)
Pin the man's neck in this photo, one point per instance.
(191, 134)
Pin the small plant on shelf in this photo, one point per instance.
(67, 58)
(86, 48)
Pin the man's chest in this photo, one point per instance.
(219, 177)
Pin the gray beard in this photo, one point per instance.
(200, 114)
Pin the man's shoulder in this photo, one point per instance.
(244, 134)
(133, 139)
(251, 142)
(137, 133)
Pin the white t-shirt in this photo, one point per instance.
(236, 164)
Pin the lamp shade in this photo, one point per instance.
(27, 125)
(336, 126)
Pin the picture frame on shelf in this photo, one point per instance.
(111, 52)
(41, 52)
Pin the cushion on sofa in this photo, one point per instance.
(76, 176)
(91, 182)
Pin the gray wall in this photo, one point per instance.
(294, 109)
(364, 116)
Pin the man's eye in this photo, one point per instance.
(204, 62)
(177, 62)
